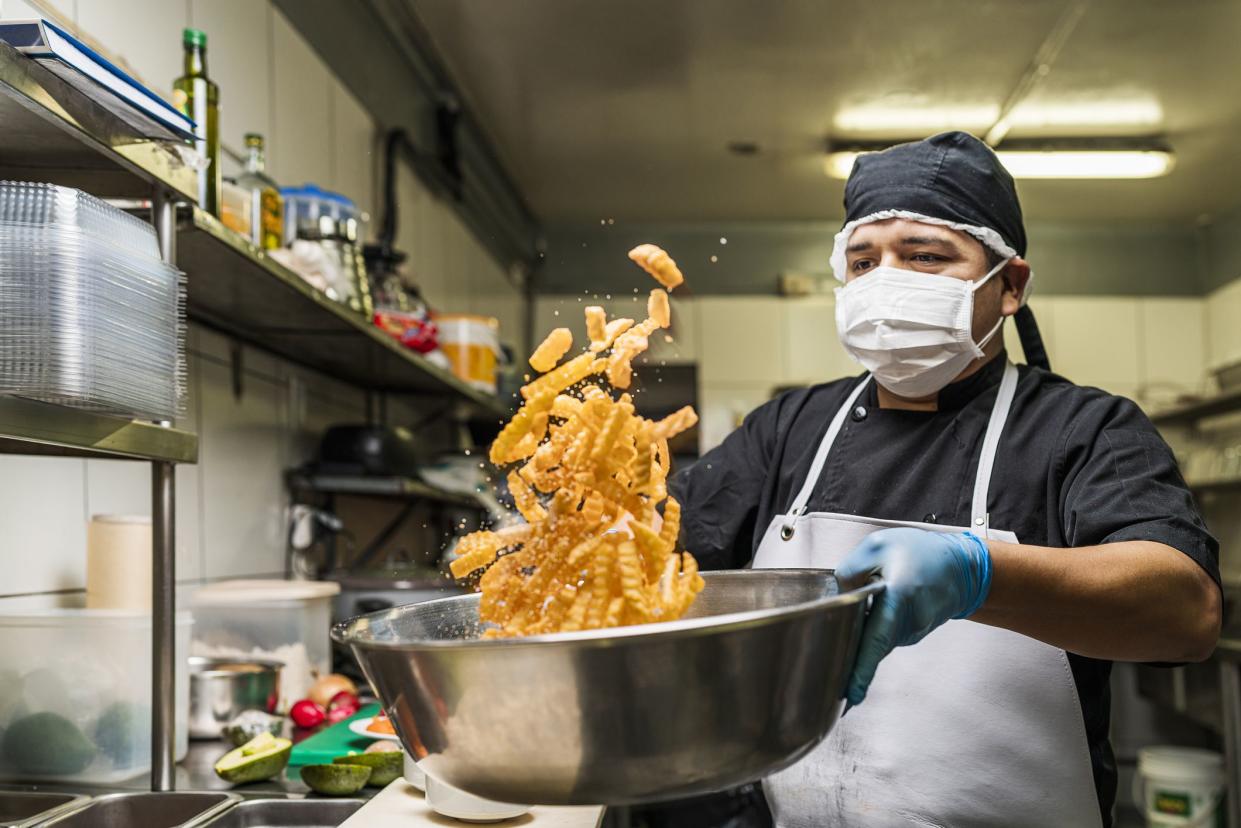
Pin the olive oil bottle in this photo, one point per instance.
(198, 97)
(266, 206)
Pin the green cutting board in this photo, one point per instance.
(337, 740)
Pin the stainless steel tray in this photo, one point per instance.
(21, 809)
(748, 682)
(287, 813)
(173, 809)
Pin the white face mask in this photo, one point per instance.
(913, 331)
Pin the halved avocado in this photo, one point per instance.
(385, 767)
(336, 780)
(259, 759)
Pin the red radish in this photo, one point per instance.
(306, 713)
(345, 699)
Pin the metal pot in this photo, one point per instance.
(747, 683)
(220, 688)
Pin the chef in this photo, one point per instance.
(1030, 531)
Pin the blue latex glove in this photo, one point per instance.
(931, 577)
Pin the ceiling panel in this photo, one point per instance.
(624, 108)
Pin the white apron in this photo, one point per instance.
(972, 727)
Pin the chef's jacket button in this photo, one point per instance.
(930, 517)
(859, 413)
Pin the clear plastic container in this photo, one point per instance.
(75, 694)
(304, 206)
(288, 621)
(92, 316)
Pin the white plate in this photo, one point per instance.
(359, 726)
(452, 802)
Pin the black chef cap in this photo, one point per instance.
(953, 177)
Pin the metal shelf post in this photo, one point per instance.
(163, 566)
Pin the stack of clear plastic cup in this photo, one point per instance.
(90, 315)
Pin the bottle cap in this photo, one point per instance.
(194, 37)
(253, 139)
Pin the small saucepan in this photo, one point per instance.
(220, 688)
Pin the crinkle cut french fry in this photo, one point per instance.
(518, 427)
(620, 369)
(475, 551)
(611, 332)
(657, 308)
(596, 323)
(655, 261)
(561, 377)
(674, 423)
(551, 349)
(527, 501)
(565, 406)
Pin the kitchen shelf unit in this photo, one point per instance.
(51, 132)
(245, 293)
(400, 488)
(1190, 413)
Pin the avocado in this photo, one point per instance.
(385, 767)
(47, 744)
(251, 723)
(336, 780)
(259, 759)
(123, 733)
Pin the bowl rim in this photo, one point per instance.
(682, 627)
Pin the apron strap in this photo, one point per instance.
(980, 519)
(820, 458)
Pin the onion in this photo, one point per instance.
(325, 687)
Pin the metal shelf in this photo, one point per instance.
(51, 132)
(1192, 412)
(235, 287)
(30, 427)
(1228, 484)
(403, 488)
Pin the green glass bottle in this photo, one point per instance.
(198, 97)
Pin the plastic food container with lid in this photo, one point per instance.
(471, 344)
(75, 694)
(287, 621)
(307, 207)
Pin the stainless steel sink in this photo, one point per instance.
(294, 813)
(149, 810)
(21, 809)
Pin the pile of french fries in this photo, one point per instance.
(588, 475)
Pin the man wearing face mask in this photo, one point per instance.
(1029, 531)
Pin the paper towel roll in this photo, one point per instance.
(118, 562)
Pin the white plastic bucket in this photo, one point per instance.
(1180, 787)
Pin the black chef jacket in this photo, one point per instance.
(1075, 467)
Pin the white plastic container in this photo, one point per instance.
(288, 621)
(75, 694)
(1179, 787)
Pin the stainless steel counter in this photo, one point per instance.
(195, 773)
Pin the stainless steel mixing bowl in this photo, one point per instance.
(744, 685)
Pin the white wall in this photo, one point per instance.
(1147, 348)
(230, 506)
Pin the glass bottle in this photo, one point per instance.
(198, 97)
(266, 207)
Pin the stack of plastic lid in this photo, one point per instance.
(90, 315)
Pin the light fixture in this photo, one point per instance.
(905, 115)
(1081, 159)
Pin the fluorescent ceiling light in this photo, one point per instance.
(914, 117)
(1119, 113)
(1051, 163)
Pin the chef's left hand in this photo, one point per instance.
(930, 578)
